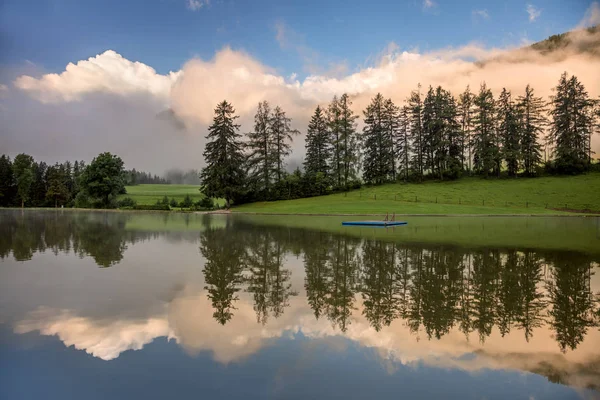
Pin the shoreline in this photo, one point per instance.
(233, 212)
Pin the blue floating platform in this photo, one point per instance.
(373, 223)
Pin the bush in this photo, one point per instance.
(173, 203)
(206, 203)
(187, 202)
(152, 207)
(164, 201)
(126, 202)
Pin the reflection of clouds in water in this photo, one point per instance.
(188, 320)
(105, 339)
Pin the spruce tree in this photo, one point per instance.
(281, 139)
(453, 139)
(318, 147)
(415, 112)
(465, 116)
(402, 144)
(391, 127)
(484, 141)
(571, 126)
(347, 141)
(259, 146)
(431, 130)
(223, 175)
(533, 120)
(510, 132)
(376, 166)
(333, 118)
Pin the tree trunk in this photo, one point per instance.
(22, 203)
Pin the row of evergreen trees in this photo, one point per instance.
(135, 177)
(432, 136)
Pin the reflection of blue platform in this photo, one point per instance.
(374, 223)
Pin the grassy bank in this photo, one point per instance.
(547, 195)
(151, 193)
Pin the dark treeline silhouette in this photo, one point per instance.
(134, 177)
(433, 135)
(432, 288)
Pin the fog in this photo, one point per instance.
(109, 103)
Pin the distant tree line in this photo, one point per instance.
(134, 177)
(431, 136)
(25, 182)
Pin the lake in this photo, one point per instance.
(100, 305)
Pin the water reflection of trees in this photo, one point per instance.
(100, 235)
(433, 289)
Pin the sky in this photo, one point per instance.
(81, 77)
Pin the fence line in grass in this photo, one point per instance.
(399, 197)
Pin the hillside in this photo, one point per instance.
(547, 195)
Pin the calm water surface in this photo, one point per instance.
(154, 306)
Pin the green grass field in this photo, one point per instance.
(151, 193)
(465, 196)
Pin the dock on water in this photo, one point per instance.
(373, 223)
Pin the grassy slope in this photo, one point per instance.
(476, 196)
(151, 193)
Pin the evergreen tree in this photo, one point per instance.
(510, 132)
(281, 140)
(533, 121)
(347, 140)
(391, 127)
(24, 176)
(484, 144)
(333, 118)
(402, 144)
(318, 148)
(376, 167)
(223, 175)
(431, 130)
(260, 146)
(415, 112)
(453, 140)
(465, 107)
(571, 126)
(7, 182)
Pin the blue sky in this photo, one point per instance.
(166, 33)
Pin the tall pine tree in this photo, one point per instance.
(510, 132)
(571, 126)
(347, 140)
(533, 121)
(415, 113)
(259, 147)
(484, 132)
(281, 139)
(223, 175)
(376, 147)
(402, 143)
(318, 147)
(465, 115)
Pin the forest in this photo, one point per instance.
(433, 135)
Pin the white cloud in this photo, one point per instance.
(108, 72)
(481, 14)
(428, 4)
(196, 5)
(533, 12)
